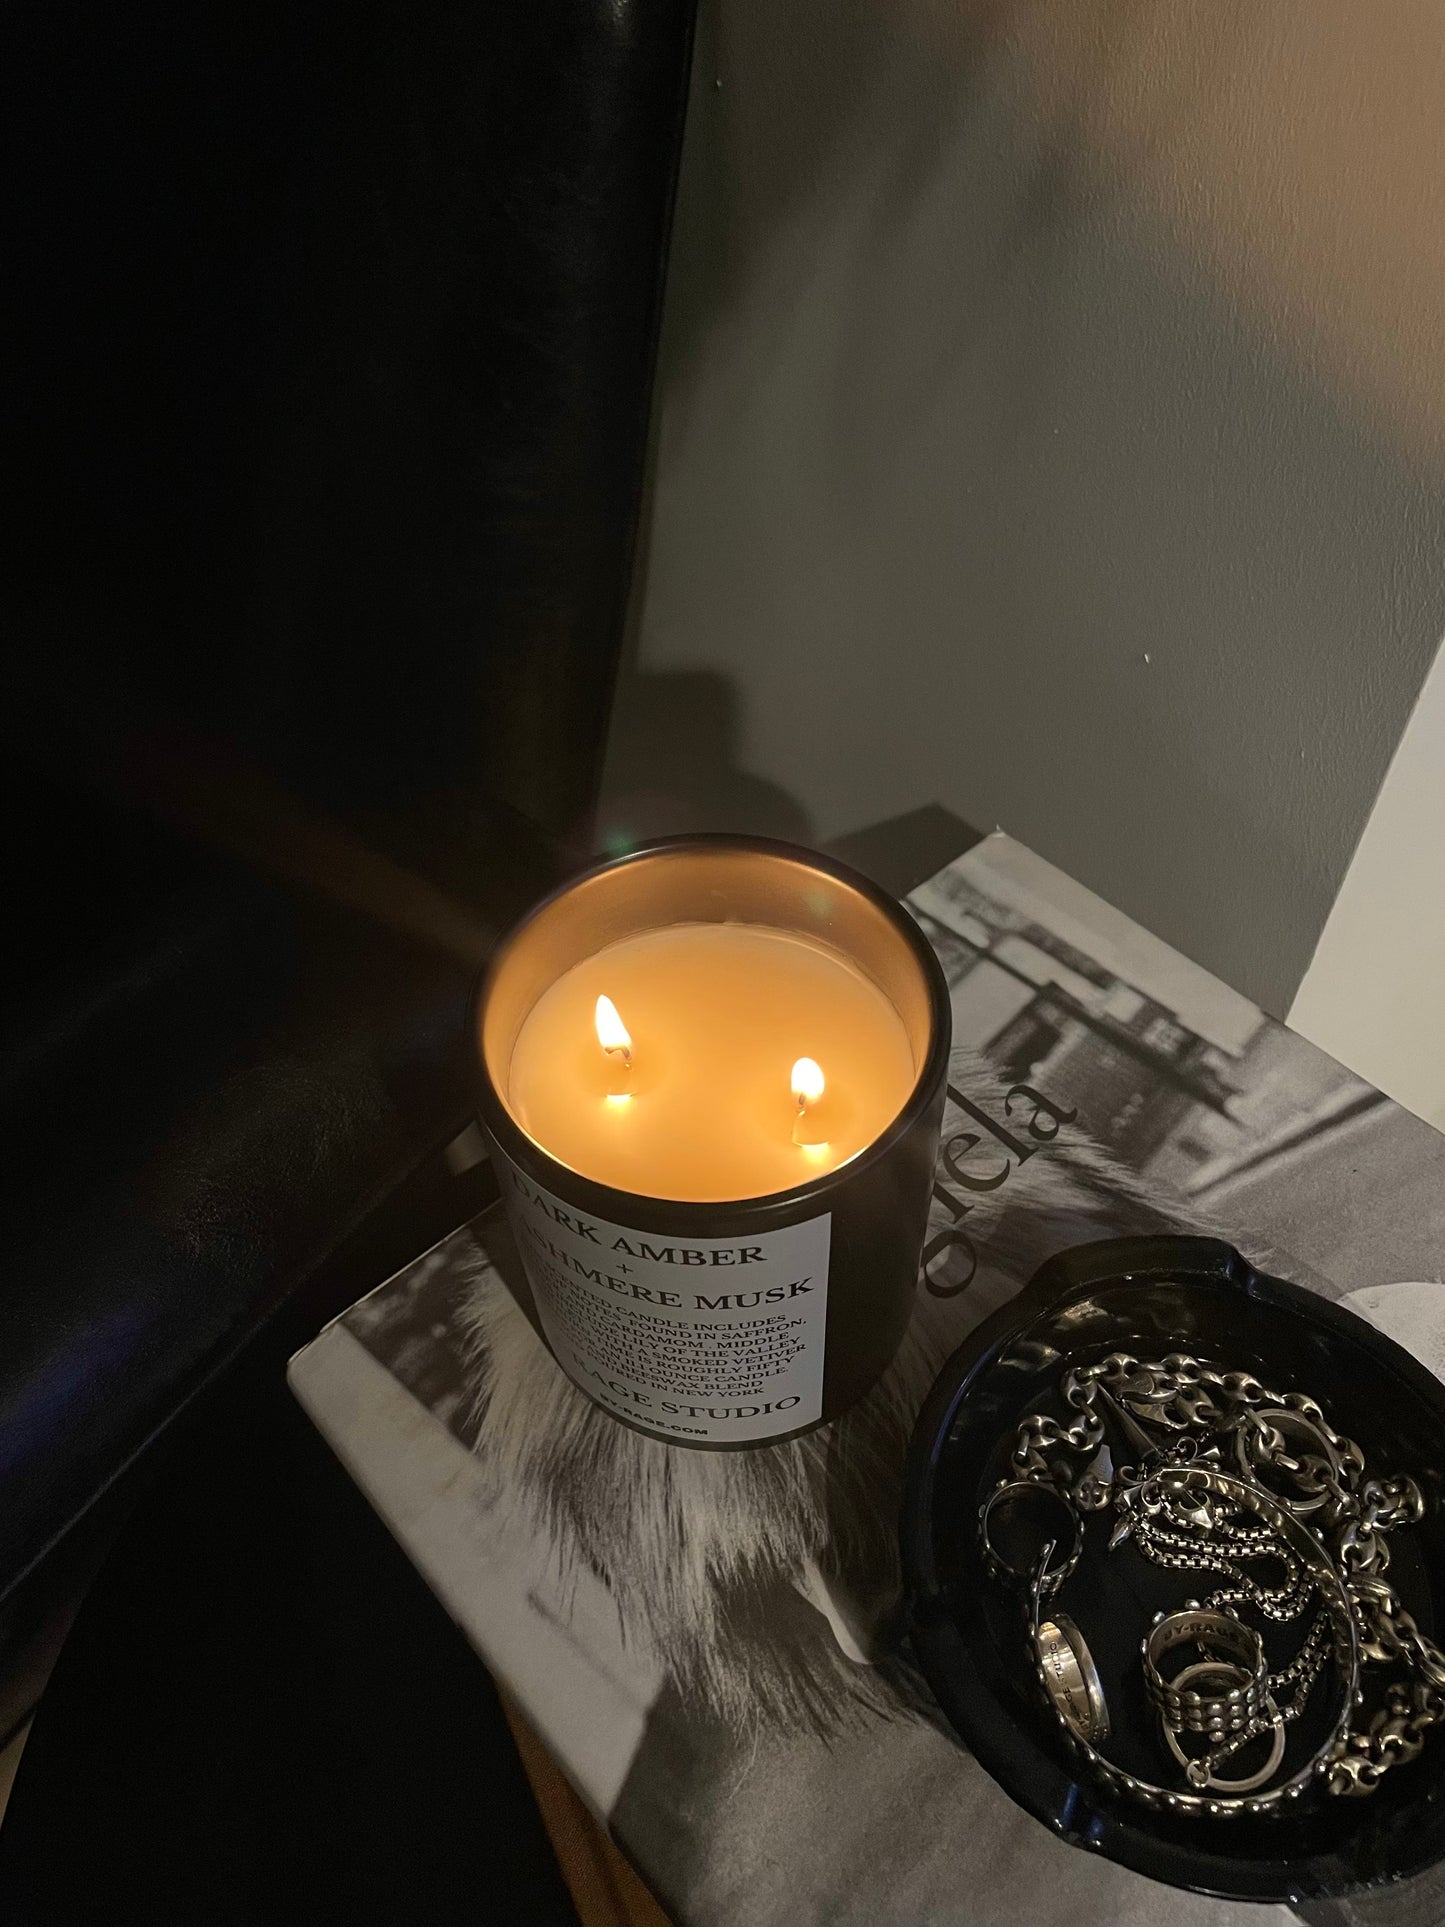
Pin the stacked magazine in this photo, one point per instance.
(707, 1641)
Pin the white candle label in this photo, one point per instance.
(711, 1339)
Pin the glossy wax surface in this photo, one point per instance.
(718, 1015)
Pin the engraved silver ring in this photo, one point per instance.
(1017, 1521)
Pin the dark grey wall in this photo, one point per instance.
(1051, 426)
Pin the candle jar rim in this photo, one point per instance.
(930, 1061)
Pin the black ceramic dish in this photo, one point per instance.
(1151, 1296)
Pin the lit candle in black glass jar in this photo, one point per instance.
(713, 1073)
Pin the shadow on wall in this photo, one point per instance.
(1051, 415)
(672, 767)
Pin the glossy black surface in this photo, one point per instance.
(1150, 1296)
(254, 1643)
(329, 345)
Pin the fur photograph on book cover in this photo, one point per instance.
(1099, 1086)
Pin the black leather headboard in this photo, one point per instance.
(325, 440)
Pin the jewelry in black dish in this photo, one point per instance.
(1248, 1483)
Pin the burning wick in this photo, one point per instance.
(612, 1032)
(613, 1036)
(808, 1086)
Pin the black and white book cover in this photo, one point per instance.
(702, 1638)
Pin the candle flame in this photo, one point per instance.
(612, 1033)
(808, 1083)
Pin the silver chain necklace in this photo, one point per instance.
(1245, 1462)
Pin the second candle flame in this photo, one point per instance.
(808, 1083)
(808, 1086)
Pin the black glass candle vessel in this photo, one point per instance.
(718, 1181)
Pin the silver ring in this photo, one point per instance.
(1346, 1650)
(1196, 1769)
(1070, 1677)
(1219, 1637)
(1052, 1508)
